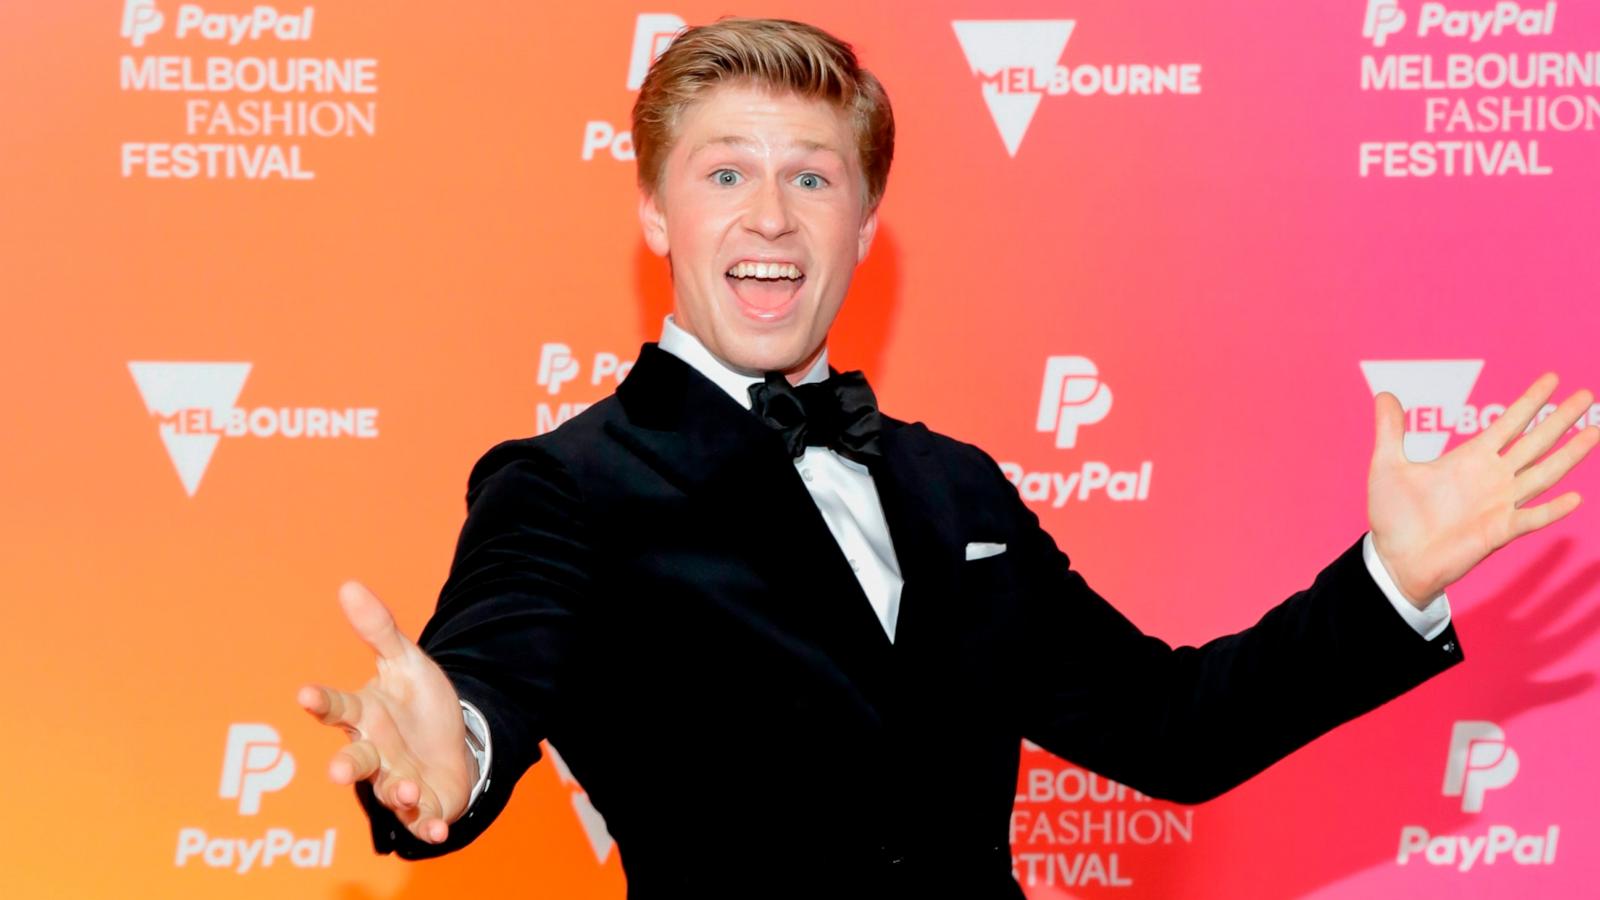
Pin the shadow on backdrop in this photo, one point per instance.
(1334, 808)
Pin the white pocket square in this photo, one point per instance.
(982, 550)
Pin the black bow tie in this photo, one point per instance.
(840, 413)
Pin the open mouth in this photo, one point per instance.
(765, 290)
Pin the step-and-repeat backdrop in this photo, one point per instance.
(274, 275)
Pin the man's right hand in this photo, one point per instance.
(407, 734)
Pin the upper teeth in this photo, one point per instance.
(765, 270)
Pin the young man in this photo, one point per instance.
(735, 585)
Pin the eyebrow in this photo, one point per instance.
(735, 140)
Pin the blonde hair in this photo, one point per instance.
(778, 54)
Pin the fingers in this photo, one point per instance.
(1516, 417)
(428, 825)
(361, 761)
(1546, 433)
(357, 761)
(405, 793)
(331, 706)
(1535, 480)
(399, 794)
(372, 621)
(1533, 518)
(416, 806)
(396, 788)
(1390, 429)
(432, 829)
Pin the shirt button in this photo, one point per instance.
(806, 474)
(855, 566)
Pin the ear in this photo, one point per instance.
(869, 229)
(653, 221)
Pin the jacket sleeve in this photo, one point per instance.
(505, 624)
(1189, 723)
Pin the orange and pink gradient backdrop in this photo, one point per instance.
(1219, 255)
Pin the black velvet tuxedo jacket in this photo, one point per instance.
(651, 588)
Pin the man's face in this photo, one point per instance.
(760, 179)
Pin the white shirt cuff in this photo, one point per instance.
(478, 744)
(1429, 621)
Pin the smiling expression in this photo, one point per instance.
(761, 213)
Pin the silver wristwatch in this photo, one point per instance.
(478, 745)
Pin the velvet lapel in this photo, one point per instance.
(721, 456)
(922, 523)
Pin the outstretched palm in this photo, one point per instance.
(1433, 521)
(407, 734)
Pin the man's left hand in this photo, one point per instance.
(1433, 521)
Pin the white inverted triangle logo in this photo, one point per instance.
(171, 387)
(993, 46)
(1442, 383)
(589, 818)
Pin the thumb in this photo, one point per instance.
(372, 620)
(1389, 430)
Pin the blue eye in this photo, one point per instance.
(811, 181)
(725, 177)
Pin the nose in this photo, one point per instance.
(768, 214)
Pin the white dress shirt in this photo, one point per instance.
(848, 500)
(842, 488)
